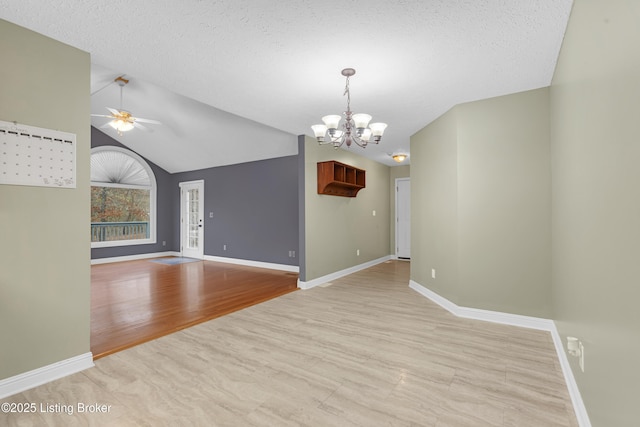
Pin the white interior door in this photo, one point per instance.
(403, 218)
(192, 219)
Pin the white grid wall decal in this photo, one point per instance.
(36, 156)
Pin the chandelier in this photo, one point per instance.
(356, 127)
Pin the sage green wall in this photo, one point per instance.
(504, 204)
(480, 201)
(395, 173)
(45, 270)
(434, 206)
(335, 227)
(595, 134)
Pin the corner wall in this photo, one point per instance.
(504, 204)
(595, 130)
(335, 227)
(434, 206)
(480, 214)
(45, 257)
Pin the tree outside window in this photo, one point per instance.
(122, 198)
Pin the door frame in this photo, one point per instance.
(398, 217)
(183, 231)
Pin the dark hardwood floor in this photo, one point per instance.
(136, 301)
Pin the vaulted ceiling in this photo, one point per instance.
(237, 80)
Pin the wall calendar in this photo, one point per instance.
(36, 156)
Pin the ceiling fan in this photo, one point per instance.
(122, 120)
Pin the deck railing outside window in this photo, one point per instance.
(110, 231)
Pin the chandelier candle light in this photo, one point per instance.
(360, 122)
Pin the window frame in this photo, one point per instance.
(152, 198)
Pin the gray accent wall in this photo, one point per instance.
(44, 256)
(164, 210)
(481, 200)
(595, 134)
(254, 207)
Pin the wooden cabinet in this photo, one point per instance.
(338, 179)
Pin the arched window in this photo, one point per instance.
(123, 198)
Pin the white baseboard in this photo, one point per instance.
(523, 322)
(249, 263)
(574, 392)
(133, 257)
(486, 315)
(336, 275)
(45, 374)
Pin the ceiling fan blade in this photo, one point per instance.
(101, 115)
(154, 122)
(106, 125)
(139, 126)
(113, 111)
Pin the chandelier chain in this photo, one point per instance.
(348, 93)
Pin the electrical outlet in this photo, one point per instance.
(358, 252)
(581, 360)
(224, 247)
(164, 243)
(374, 213)
(433, 273)
(210, 214)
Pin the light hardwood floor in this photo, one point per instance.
(136, 301)
(364, 351)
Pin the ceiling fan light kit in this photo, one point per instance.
(121, 120)
(122, 124)
(356, 127)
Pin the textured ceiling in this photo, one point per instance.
(278, 63)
